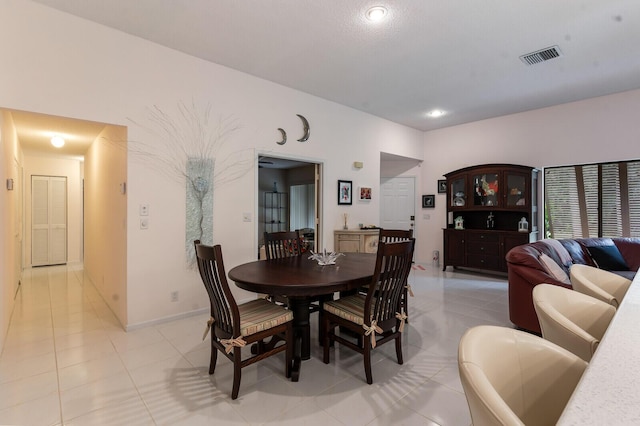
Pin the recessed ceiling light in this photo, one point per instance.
(376, 13)
(436, 113)
(57, 141)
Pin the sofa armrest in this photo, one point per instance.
(525, 271)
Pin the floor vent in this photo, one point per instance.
(541, 55)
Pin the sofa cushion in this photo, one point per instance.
(630, 251)
(577, 251)
(608, 258)
(554, 269)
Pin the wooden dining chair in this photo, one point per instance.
(279, 245)
(378, 316)
(233, 326)
(393, 236)
(282, 244)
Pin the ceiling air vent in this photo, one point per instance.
(541, 55)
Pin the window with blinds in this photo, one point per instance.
(593, 200)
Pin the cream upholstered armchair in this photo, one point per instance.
(573, 320)
(511, 377)
(598, 283)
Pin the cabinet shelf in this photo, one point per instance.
(276, 211)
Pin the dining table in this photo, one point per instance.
(301, 279)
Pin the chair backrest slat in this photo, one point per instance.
(224, 308)
(395, 235)
(282, 244)
(393, 266)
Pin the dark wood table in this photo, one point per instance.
(300, 279)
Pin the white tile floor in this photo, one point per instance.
(67, 361)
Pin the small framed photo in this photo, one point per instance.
(345, 192)
(442, 186)
(428, 201)
(364, 193)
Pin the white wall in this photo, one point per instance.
(600, 129)
(105, 207)
(70, 67)
(10, 223)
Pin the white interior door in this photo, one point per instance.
(397, 205)
(48, 220)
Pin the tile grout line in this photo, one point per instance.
(55, 351)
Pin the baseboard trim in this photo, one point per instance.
(144, 324)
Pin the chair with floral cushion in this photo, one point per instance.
(282, 244)
(233, 326)
(378, 316)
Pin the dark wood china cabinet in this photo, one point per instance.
(491, 208)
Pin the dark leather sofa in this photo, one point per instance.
(526, 269)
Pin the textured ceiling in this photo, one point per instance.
(459, 56)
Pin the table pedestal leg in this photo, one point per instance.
(301, 325)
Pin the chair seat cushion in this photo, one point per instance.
(260, 314)
(350, 308)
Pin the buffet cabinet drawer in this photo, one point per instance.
(486, 237)
(348, 237)
(483, 261)
(482, 247)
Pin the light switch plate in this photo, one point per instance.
(144, 223)
(144, 209)
(246, 217)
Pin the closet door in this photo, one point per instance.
(48, 220)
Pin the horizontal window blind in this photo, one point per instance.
(593, 200)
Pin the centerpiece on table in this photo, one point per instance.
(325, 258)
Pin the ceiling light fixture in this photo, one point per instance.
(376, 13)
(436, 113)
(57, 141)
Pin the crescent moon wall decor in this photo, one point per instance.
(307, 130)
(284, 137)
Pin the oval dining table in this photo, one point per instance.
(300, 279)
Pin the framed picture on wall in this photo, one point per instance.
(428, 201)
(442, 186)
(364, 193)
(345, 192)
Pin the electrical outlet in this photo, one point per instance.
(174, 296)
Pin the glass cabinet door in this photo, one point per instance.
(516, 189)
(458, 197)
(485, 189)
